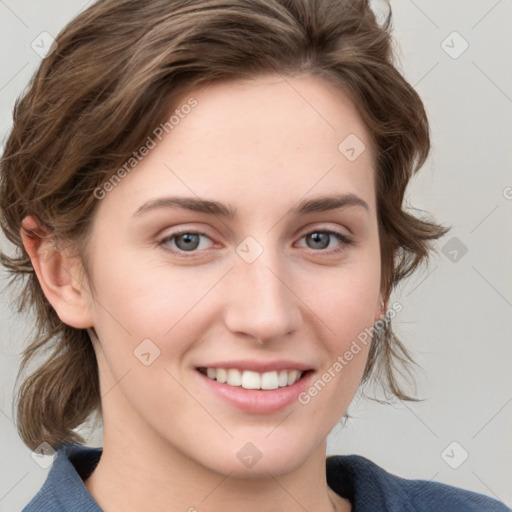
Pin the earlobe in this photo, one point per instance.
(57, 273)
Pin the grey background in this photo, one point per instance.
(457, 313)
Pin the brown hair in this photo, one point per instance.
(117, 70)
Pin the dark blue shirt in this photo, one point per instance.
(367, 486)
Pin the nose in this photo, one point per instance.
(261, 302)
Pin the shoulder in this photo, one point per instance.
(44, 501)
(63, 489)
(370, 487)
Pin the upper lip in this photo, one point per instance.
(259, 366)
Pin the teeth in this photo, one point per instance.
(222, 375)
(254, 380)
(250, 380)
(234, 377)
(269, 380)
(293, 376)
(282, 380)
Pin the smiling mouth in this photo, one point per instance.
(248, 379)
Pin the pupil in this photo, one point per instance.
(188, 238)
(317, 237)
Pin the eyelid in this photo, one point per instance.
(175, 234)
(344, 240)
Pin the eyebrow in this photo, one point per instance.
(318, 204)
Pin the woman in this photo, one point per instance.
(275, 139)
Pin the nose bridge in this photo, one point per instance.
(261, 302)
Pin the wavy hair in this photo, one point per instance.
(117, 70)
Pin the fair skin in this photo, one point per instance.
(172, 439)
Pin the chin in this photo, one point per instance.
(248, 461)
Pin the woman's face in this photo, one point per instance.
(277, 289)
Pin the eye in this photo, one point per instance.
(321, 239)
(184, 241)
(188, 241)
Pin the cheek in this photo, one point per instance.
(143, 299)
(347, 305)
(171, 307)
(347, 298)
(347, 310)
(143, 315)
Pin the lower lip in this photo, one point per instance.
(258, 401)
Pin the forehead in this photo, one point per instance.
(276, 112)
(250, 141)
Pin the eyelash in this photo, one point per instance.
(191, 254)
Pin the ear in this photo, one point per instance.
(381, 307)
(58, 274)
(384, 295)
